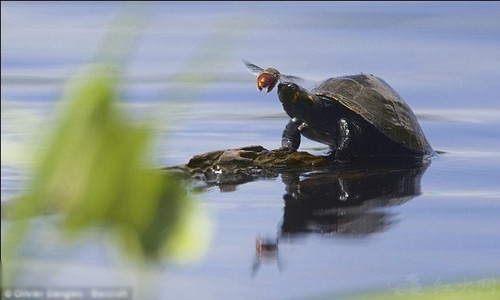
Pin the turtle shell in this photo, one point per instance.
(375, 101)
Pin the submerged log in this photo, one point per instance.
(239, 165)
(253, 157)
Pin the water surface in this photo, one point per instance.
(426, 225)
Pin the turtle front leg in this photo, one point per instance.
(345, 131)
(290, 139)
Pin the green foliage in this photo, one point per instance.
(485, 289)
(93, 172)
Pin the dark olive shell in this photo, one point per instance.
(375, 101)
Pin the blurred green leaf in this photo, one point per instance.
(93, 173)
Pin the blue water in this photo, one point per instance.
(442, 57)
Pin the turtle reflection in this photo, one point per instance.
(347, 202)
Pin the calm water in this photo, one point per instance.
(428, 225)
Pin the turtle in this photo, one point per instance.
(357, 116)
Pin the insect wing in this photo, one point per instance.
(289, 78)
(255, 70)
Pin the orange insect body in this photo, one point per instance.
(268, 79)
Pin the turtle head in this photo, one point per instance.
(291, 93)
